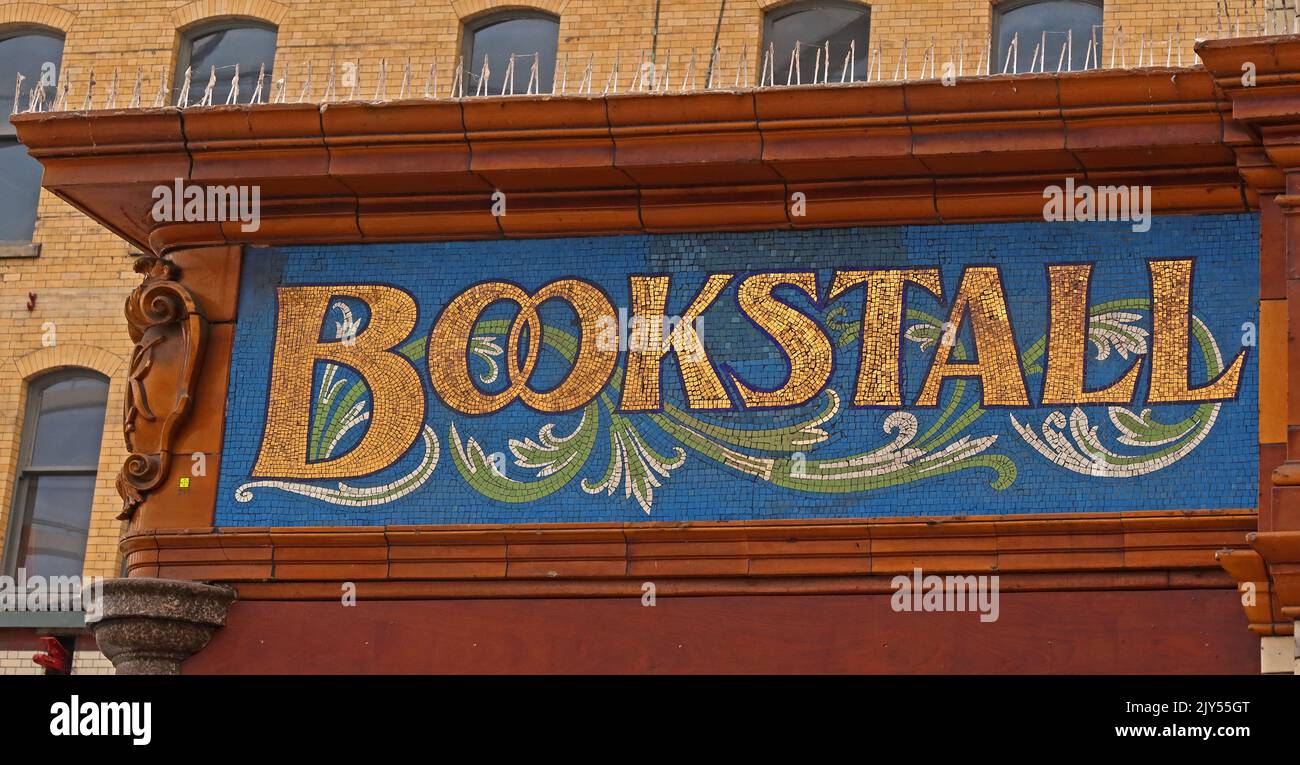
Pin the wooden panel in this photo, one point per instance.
(465, 559)
(1272, 371)
(1173, 631)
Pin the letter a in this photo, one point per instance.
(997, 363)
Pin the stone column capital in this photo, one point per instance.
(149, 626)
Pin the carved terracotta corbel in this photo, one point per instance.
(170, 333)
(1262, 607)
(1265, 130)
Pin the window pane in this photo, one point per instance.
(1056, 18)
(56, 523)
(70, 423)
(527, 39)
(250, 47)
(812, 27)
(20, 188)
(35, 56)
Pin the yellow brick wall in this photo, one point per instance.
(84, 273)
(90, 662)
(84, 662)
(19, 663)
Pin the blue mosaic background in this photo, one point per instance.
(1220, 472)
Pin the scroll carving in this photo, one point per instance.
(170, 334)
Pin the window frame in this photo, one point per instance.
(185, 47)
(16, 247)
(1000, 8)
(9, 134)
(7, 130)
(775, 14)
(23, 472)
(472, 26)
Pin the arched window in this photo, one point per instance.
(223, 44)
(825, 33)
(1061, 28)
(36, 55)
(527, 37)
(62, 430)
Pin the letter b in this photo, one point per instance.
(397, 395)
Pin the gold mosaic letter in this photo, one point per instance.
(649, 346)
(997, 362)
(450, 339)
(882, 326)
(1171, 306)
(802, 339)
(1063, 382)
(397, 395)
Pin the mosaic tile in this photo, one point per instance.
(979, 369)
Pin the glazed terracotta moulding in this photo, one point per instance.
(862, 155)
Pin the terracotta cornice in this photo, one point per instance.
(1154, 550)
(1262, 605)
(1280, 552)
(1261, 78)
(1269, 577)
(982, 149)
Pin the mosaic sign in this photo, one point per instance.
(907, 371)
